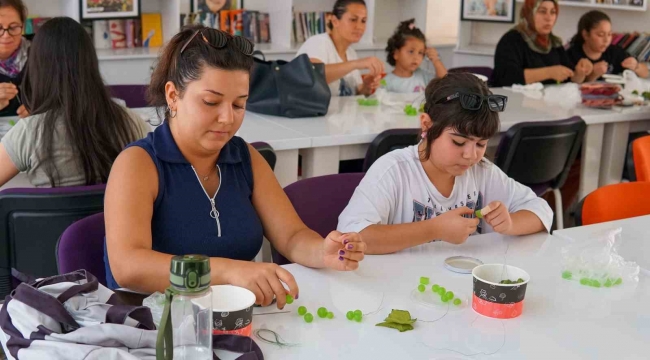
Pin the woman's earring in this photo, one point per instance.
(423, 135)
(171, 113)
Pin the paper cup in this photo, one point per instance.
(501, 301)
(232, 310)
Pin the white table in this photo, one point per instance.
(347, 130)
(561, 319)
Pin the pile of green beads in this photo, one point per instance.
(410, 110)
(355, 315)
(510, 282)
(595, 283)
(289, 299)
(302, 310)
(445, 296)
(368, 102)
(322, 312)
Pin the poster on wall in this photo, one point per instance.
(109, 9)
(502, 11)
(214, 6)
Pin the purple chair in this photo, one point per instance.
(319, 201)
(481, 70)
(388, 141)
(31, 222)
(133, 95)
(267, 152)
(81, 246)
(540, 155)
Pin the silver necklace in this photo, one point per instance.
(214, 213)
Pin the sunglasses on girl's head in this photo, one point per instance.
(218, 40)
(473, 101)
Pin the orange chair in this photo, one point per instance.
(614, 202)
(641, 154)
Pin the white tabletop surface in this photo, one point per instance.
(348, 123)
(561, 319)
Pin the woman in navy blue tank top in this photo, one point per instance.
(193, 187)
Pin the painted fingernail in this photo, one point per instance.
(350, 247)
(341, 258)
(341, 252)
(297, 296)
(346, 241)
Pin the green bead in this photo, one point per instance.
(435, 288)
(585, 281)
(618, 281)
(567, 275)
(595, 283)
(421, 288)
(358, 317)
(445, 299)
(608, 283)
(520, 280)
(442, 290)
(349, 315)
(424, 280)
(357, 313)
(289, 299)
(449, 294)
(330, 315)
(309, 318)
(322, 312)
(457, 302)
(302, 310)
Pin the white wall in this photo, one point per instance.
(567, 23)
(444, 16)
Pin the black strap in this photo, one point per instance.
(258, 52)
(239, 344)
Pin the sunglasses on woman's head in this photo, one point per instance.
(473, 101)
(218, 40)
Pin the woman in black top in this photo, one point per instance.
(13, 56)
(530, 52)
(594, 43)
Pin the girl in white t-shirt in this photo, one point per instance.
(405, 51)
(347, 26)
(431, 191)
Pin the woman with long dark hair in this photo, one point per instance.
(593, 42)
(75, 130)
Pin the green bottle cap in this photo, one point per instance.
(190, 273)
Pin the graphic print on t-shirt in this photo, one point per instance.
(423, 212)
(345, 89)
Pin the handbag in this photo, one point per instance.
(292, 89)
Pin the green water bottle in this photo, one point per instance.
(185, 330)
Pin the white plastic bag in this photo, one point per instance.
(567, 95)
(596, 262)
(155, 302)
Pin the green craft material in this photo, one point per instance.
(435, 288)
(457, 302)
(618, 281)
(368, 102)
(289, 299)
(410, 110)
(302, 310)
(584, 281)
(608, 283)
(510, 282)
(424, 280)
(567, 275)
(595, 283)
(398, 319)
(383, 83)
(421, 288)
(422, 107)
(309, 318)
(349, 315)
(330, 315)
(478, 214)
(442, 290)
(449, 294)
(322, 312)
(12, 123)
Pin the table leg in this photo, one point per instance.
(320, 161)
(286, 166)
(590, 164)
(613, 154)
